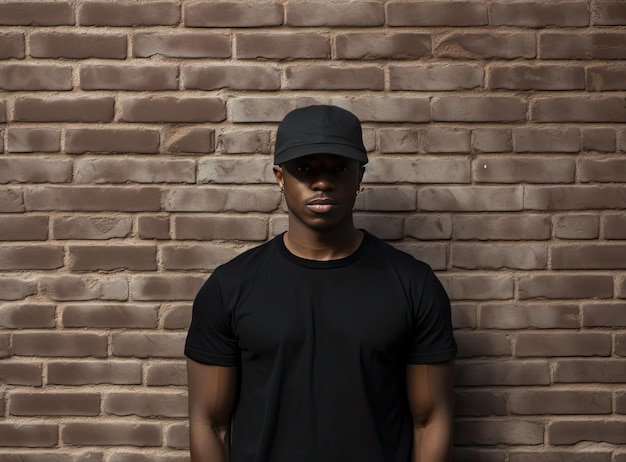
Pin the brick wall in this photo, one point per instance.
(136, 156)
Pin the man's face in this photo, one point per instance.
(320, 190)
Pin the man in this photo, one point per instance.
(324, 344)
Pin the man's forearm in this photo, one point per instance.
(432, 442)
(209, 443)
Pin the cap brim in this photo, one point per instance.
(342, 150)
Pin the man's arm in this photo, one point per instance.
(212, 392)
(430, 391)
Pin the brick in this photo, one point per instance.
(565, 286)
(94, 199)
(149, 227)
(540, 14)
(427, 14)
(112, 257)
(71, 288)
(232, 14)
(63, 109)
(232, 227)
(91, 227)
(554, 456)
(182, 45)
(3, 115)
(397, 45)
(499, 256)
(172, 109)
(606, 78)
(590, 371)
(609, 13)
(588, 256)
(604, 314)
(16, 77)
(33, 170)
(382, 226)
(166, 373)
(244, 142)
(117, 433)
(111, 140)
(148, 345)
(72, 45)
(492, 140)
(33, 140)
(190, 140)
(524, 170)
(20, 373)
(577, 227)
(474, 344)
(24, 13)
(11, 200)
(24, 228)
(436, 77)
(399, 141)
(146, 404)
(608, 109)
(28, 435)
(447, 140)
(107, 171)
(216, 77)
(572, 432)
(49, 344)
(574, 198)
(595, 45)
(303, 45)
(94, 372)
(142, 457)
(27, 315)
(429, 226)
(131, 78)
(546, 139)
(322, 14)
(177, 436)
(598, 139)
(478, 287)
(196, 257)
(478, 109)
(387, 109)
(96, 13)
(177, 316)
(334, 78)
(544, 77)
(233, 170)
(563, 402)
(478, 455)
(32, 257)
(479, 404)
(110, 316)
(563, 344)
(387, 198)
(464, 315)
(614, 226)
(148, 288)
(509, 432)
(439, 170)
(470, 199)
(602, 170)
(247, 109)
(54, 404)
(55, 456)
(522, 316)
(477, 45)
(16, 288)
(12, 45)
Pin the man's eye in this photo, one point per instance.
(303, 168)
(341, 168)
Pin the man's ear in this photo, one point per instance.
(278, 173)
(361, 173)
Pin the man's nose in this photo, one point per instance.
(323, 181)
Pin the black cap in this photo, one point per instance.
(319, 130)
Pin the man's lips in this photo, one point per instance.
(321, 204)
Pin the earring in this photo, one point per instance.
(282, 189)
(359, 190)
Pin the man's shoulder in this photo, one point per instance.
(248, 259)
(398, 257)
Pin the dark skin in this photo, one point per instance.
(320, 191)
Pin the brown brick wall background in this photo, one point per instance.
(136, 156)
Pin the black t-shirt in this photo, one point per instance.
(322, 349)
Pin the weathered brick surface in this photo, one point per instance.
(136, 146)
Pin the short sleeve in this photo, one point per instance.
(210, 339)
(432, 338)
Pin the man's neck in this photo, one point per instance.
(322, 246)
